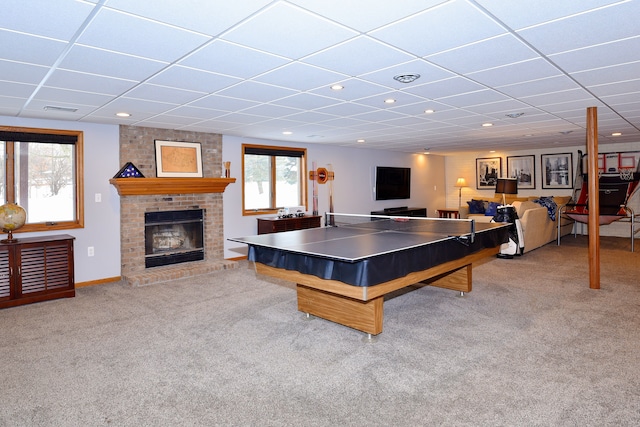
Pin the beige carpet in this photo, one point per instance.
(532, 345)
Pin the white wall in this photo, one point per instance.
(102, 220)
(352, 188)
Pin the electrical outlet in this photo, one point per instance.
(90, 251)
(98, 197)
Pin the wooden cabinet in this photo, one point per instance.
(36, 269)
(276, 225)
(402, 211)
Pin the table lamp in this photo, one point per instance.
(506, 186)
(460, 183)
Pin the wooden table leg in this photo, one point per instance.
(365, 316)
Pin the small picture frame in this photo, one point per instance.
(176, 159)
(557, 170)
(488, 170)
(523, 169)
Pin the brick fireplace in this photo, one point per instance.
(137, 146)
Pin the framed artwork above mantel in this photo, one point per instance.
(178, 159)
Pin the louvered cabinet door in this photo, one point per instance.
(36, 269)
(6, 291)
(44, 267)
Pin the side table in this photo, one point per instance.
(448, 213)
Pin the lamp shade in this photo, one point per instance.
(461, 182)
(507, 186)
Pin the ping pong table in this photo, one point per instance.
(343, 271)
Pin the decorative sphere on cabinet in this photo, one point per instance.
(12, 217)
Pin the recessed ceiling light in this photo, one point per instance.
(360, 141)
(389, 101)
(429, 111)
(616, 134)
(406, 78)
(514, 115)
(492, 151)
(287, 132)
(337, 87)
(486, 125)
(123, 114)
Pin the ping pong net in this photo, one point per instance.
(462, 229)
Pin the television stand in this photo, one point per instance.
(402, 211)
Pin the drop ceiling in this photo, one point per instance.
(258, 68)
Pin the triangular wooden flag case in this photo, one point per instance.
(129, 170)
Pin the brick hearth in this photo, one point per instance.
(137, 146)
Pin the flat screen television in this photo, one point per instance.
(393, 183)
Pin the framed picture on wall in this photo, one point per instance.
(178, 159)
(522, 168)
(488, 170)
(557, 170)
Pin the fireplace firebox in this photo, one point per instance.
(172, 237)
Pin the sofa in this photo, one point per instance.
(538, 227)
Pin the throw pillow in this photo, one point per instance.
(492, 210)
(548, 203)
(476, 206)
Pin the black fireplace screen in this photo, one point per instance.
(172, 237)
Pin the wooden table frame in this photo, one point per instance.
(361, 307)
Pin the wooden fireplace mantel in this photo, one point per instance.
(149, 186)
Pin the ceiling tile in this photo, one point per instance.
(307, 101)
(223, 103)
(604, 55)
(258, 92)
(490, 53)
(434, 31)
(41, 17)
(41, 51)
(358, 56)
(72, 80)
(16, 90)
(354, 88)
(22, 73)
(191, 79)
(109, 30)
(537, 87)
(583, 30)
(300, 76)
(289, 31)
(608, 75)
(444, 88)
(110, 64)
(474, 98)
(428, 73)
(206, 17)
(401, 98)
(226, 58)
(71, 96)
(366, 15)
(163, 94)
(535, 69)
(544, 10)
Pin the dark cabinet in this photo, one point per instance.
(36, 269)
(402, 211)
(276, 225)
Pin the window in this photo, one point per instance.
(43, 174)
(273, 178)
